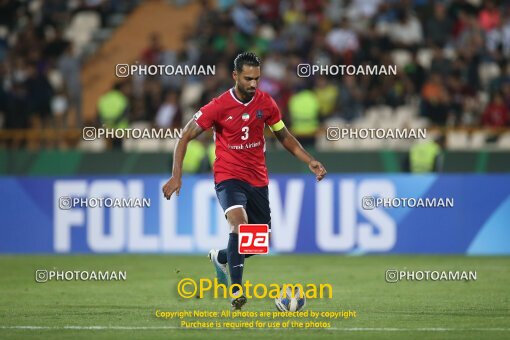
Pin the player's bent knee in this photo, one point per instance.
(234, 228)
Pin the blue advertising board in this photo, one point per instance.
(330, 216)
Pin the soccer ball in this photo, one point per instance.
(287, 302)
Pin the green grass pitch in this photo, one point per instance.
(126, 309)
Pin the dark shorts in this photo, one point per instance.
(233, 193)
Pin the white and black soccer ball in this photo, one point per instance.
(289, 302)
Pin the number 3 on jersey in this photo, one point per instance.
(245, 130)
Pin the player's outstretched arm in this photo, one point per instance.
(294, 147)
(191, 131)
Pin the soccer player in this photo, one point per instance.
(238, 118)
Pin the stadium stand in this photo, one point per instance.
(57, 59)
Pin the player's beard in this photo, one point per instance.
(246, 95)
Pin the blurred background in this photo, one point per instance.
(57, 75)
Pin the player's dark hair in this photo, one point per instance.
(246, 58)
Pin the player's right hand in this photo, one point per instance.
(173, 185)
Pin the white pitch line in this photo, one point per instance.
(348, 329)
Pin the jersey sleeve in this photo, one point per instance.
(275, 115)
(207, 114)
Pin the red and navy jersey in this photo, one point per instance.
(239, 135)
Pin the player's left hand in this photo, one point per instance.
(318, 169)
(173, 185)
